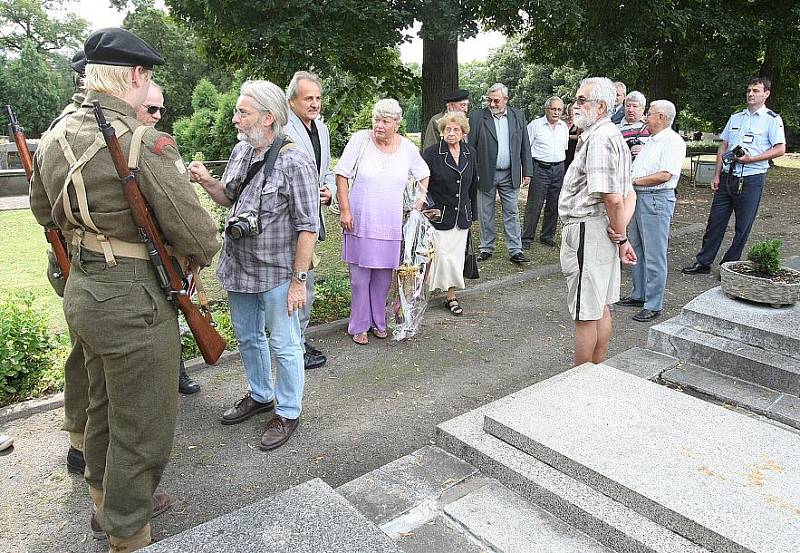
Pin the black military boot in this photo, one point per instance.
(186, 385)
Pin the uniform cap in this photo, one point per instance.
(78, 63)
(457, 95)
(117, 46)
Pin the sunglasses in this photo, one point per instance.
(153, 109)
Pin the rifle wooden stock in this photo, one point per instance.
(210, 343)
(52, 234)
(59, 246)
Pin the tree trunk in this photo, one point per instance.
(663, 76)
(439, 75)
(771, 68)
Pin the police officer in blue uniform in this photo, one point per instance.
(751, 138)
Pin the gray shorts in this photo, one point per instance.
(590, 261)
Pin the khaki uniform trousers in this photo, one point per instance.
(76, 380)
(129, 335)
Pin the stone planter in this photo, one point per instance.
(758, 289)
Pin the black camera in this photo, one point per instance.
(733, 155)
(631, 142)
(244, 224)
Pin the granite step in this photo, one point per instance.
(757, 325)
(573, 502)
(690, 466)
(308, 518)
(431, 500)
(769, 369)
(774, 405)
(501, 520)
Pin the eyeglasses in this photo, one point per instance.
(242, 113)
(580, 100)
(153, 109)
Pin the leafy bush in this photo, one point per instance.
(766, 256)
(26, 347)
(331, 298)
(701, 147)
(222, 319)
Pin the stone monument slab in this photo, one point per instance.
(728, 482)
(309, 518)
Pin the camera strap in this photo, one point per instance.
(267, 164)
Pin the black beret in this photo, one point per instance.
(457, 96)
(116, 46)
(78, 63)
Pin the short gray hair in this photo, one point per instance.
(638, 97)
(667, 108)
(270, 99)
(388, 108)
(552, 99)
(620, 84)
(503, 89)
(291, 90)
(602, 89)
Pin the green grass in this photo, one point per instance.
(25, 249)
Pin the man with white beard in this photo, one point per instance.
(271, 188)
(596, 200)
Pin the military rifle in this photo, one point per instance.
(170, 277)
(53, 235)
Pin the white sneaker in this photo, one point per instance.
(5, 442)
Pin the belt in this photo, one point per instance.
(548, 163)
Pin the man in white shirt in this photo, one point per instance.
(655, 173)
(549, 136)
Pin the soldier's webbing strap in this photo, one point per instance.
(136, 147)
(93, 239)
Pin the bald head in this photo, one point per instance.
(153, 103)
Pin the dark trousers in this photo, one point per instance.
(728, 199)
(544, 191)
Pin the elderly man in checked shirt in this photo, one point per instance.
(264, 267)
(596, 199)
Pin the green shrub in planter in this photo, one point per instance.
(26, 347)
(766, 256)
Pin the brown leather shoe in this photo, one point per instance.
(244, 409)
(278, 432)
(161, 503)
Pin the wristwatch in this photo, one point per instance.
(301, 276)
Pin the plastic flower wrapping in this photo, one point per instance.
(408, 296)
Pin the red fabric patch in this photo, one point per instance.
(162, 143)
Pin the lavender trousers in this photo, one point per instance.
(369, 288)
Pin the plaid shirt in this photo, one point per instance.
(602, 165)
(289, 204)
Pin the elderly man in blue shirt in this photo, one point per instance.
(751, 138)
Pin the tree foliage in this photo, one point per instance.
(698, 53)
(44, 23)
(209, 129)
(33, 89)
(185, 64)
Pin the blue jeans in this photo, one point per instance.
(649, 237)
(251, 314)
(727, 200)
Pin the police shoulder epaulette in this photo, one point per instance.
(772, 113)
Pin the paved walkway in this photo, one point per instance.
(14, 202)
(366, 407)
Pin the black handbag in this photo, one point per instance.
(470, 260)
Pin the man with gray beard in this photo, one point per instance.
(596, 198)
(271, 187)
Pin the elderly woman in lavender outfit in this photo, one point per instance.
(379, 162)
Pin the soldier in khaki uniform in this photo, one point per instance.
(113, 303)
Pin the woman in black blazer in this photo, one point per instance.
(453, 188)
